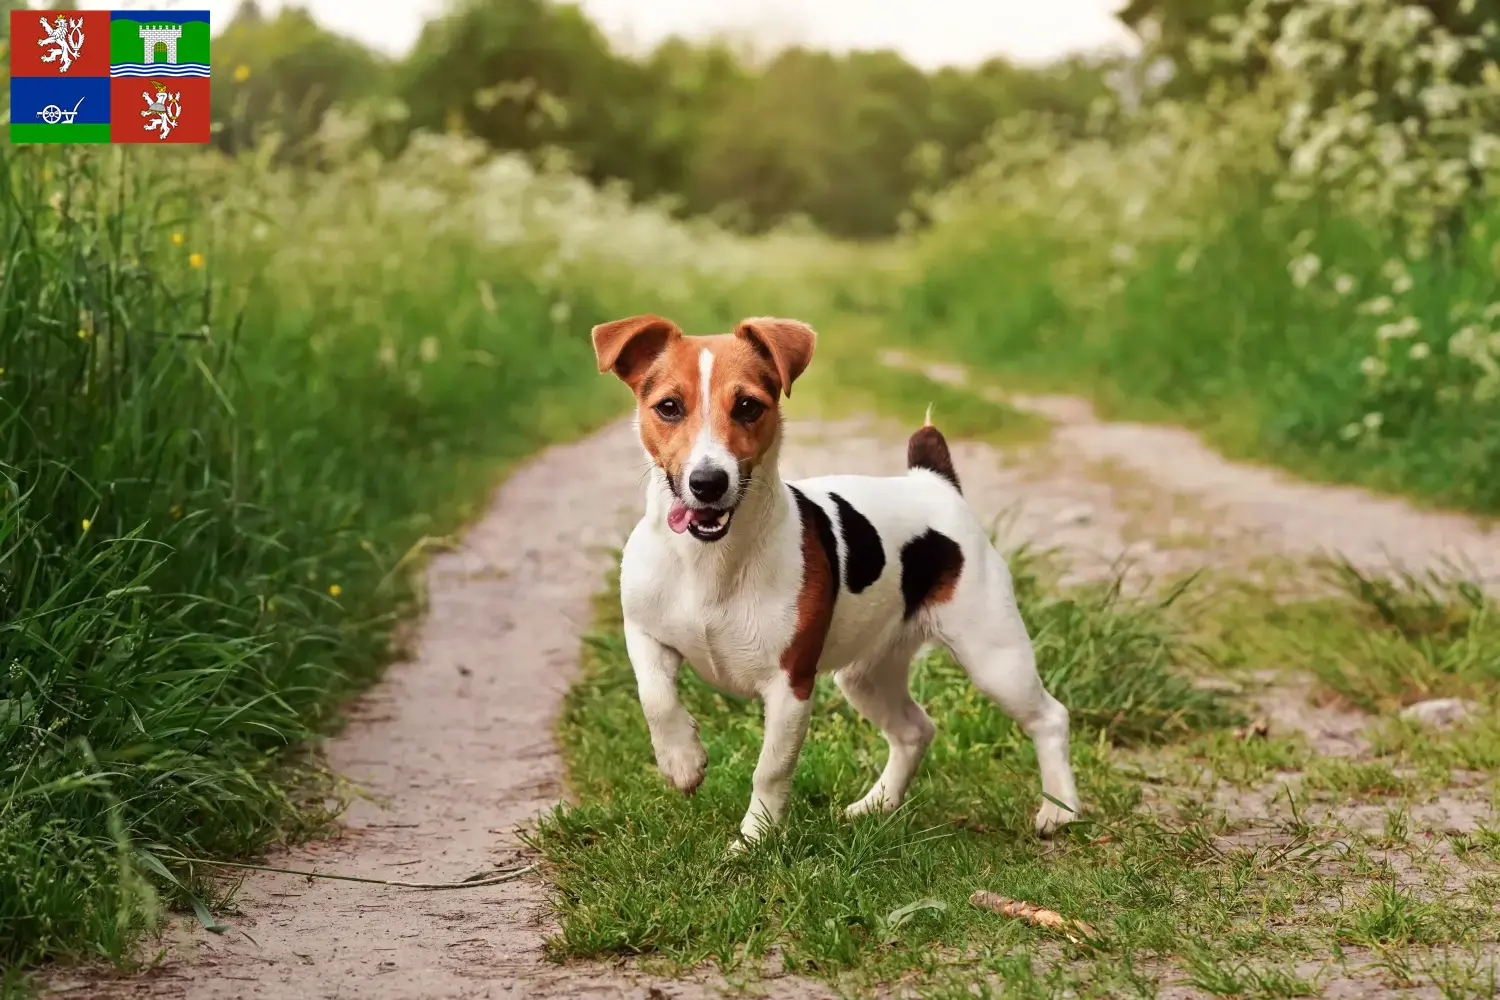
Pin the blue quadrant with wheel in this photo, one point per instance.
(84, 100)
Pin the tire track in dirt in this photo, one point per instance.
(458, 741)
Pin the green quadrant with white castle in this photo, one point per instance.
(166, 44)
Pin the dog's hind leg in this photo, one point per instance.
(879, 690)
(982, 626)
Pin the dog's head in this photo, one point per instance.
(709, 407)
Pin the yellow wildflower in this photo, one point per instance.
(83, 334)
(177, 239)
(86, 524)
(335, 590)
(195, 259)
(241, 73)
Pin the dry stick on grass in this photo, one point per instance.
(1076, 930)
(469, 883)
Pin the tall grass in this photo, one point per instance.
(1215, 333)
(236, 403)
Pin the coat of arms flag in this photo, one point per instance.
(109, 76)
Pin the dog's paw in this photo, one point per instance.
(875, 803)
(684, 766)
(1052, 817)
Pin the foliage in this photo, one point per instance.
(843, 140)
(280, 75)
(1307, 268)
(238, 403)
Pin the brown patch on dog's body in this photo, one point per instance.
(815, 598)
(931, 566)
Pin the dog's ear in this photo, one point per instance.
(788, 343)
(628, 346)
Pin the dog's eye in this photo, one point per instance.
(668, 409)
(747, 410)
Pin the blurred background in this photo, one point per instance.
(244, 388)
(752, 114)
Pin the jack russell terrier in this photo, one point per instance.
(763, 584)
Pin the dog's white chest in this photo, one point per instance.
(732, 639)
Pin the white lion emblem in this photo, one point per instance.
(166, 107)
(67, 37)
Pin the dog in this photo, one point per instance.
(763, 584)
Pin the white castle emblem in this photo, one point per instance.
(67, 37)
(166, 107)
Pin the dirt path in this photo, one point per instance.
(459, 743)
(459, 740)
(1254, 507)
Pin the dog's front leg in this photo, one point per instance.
(674, 733)
(786, 726)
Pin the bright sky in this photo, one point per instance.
(928, 32)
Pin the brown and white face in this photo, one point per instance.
(709, 407)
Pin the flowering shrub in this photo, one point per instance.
(1392, 117)
(1306, 262)
(1382, 107)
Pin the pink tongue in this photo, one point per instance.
(679, 516)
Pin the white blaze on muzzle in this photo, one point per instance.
(708, 455)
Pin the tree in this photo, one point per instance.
(522, 74)
(283, 74)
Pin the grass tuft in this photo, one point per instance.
(1421, 636)
(638, 869)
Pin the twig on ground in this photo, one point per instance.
(473, 882)
(1076, 930)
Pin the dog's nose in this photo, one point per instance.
(709, 484)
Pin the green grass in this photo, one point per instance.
(1419, 637)
(1374, 643)
(1209, 330)
(1275, 910)
(237, 406)
(640, 870)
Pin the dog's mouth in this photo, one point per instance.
(707, 524)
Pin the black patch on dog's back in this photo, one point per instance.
(864, 556)
(931, 564)
(818, 517)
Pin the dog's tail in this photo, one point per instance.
(928, 449)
